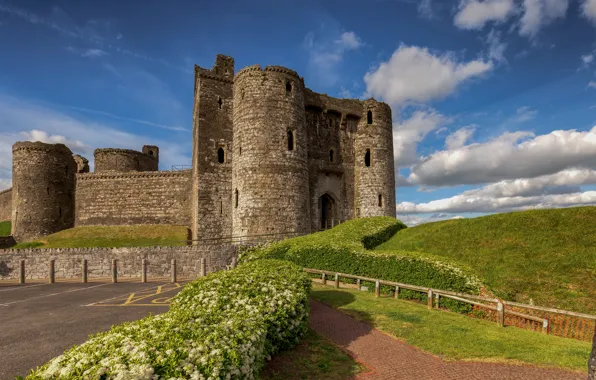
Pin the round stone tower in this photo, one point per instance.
(43, 177)
(374, 167)
(270, 186)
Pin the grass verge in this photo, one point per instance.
(547, 257)
(112, 237)
(454, 336)
(5, 228)
(314, 358)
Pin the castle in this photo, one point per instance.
(270, 157)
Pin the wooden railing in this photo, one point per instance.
(499, 306)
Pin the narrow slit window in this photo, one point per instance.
(288, 88)
(219, 102)
(369, 117)
(221, 156)
(236, 198)
(380, 200)
(60, 211)
(220, 207)
(290, 140)
(367, 158)
(331, 155)
(240, 151)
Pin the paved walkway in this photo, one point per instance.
(388, 358)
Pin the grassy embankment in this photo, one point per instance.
(547, 257)
(112, 236)
(455, 336)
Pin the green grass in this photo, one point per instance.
(543, 256)
(455, 336)
(112, 236)
(314, 358)
(5, 228)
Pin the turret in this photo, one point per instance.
(43, 178)
(270, 188)
(374, 168)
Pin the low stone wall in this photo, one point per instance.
(68, 261)
(6, 242)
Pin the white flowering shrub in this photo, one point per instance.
(222, 326)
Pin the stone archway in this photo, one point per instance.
(328, 211)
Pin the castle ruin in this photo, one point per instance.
(270, 157)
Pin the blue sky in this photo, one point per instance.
(493, 101)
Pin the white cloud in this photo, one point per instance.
(93, 53)
(349, 41)
(326, 50)
(409, 133)
(460, 137)
(539, 13)
(415, 75)
(496, 48)
(587, 58)
(412, 220)
(523, 114)
(588, 10)
(425, 9)
(592, 84)
(509, 156)
(42, 136)
(554, 190)
(25, 120)
(474, 14)
(467, 203)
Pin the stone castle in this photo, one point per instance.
(270, 157)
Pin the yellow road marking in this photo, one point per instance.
(134, 298)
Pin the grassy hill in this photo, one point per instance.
(543, 256)
(112, 236)
(4, 228)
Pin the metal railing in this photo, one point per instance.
(330, 223)
(500, 307)
(177, 168)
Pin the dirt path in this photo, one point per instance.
(388, 358)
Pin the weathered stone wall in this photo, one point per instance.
(6, 205)
(379, 178)
(212, 151)
(133, 198)
(43, 177)
(124, 160)
(68, 262)
(269, 180)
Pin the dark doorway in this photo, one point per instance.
(327, 212)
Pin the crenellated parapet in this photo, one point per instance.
(124, 160)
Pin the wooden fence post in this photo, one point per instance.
(144, 270)
(114, 270)
(22, 272)
(173, 271)
(437, 300)
(396, 295)
(203, 267)
(377, 288)
(84, 271)
(358, 283)
(234, 262)
(500, 314)
(430, 299)
(336, 281)
(323, 279)
(52, 272)
(545, 326)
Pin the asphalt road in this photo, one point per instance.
(38, 321)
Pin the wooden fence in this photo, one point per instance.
(548, 320)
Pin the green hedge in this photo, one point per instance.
(345, 249)
(224, 325)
